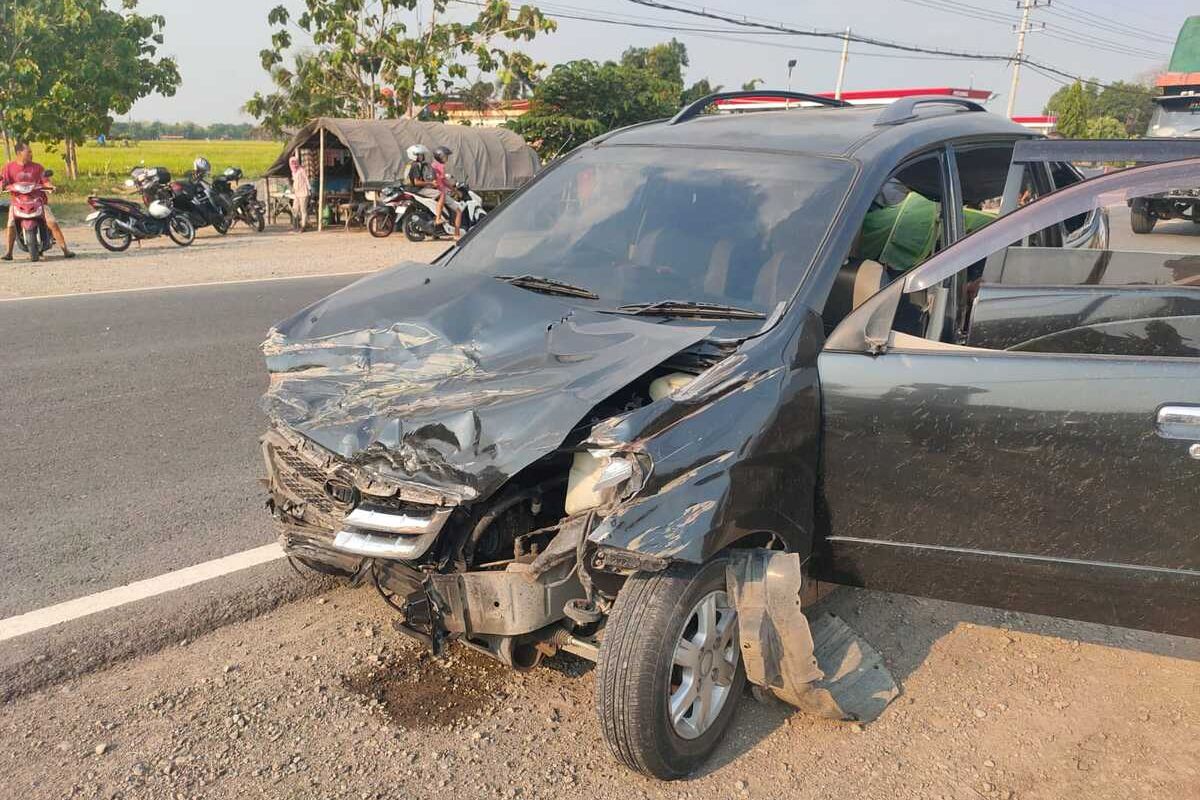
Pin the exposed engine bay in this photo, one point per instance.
(503, 573)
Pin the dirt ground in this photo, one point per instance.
(322, 699)
(241, 255)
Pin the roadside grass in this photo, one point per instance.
(104, 169)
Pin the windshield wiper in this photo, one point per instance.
(537, 283)
(684, 308)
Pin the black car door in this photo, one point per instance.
(1038, 448)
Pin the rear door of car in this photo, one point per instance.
(1053, 467)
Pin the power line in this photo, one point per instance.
(737, 35)
(1101, 44)
(965, 10)
(867, 40)
(1090, 17)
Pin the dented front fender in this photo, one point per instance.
(733, 454)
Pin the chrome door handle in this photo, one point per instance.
(1179, 422)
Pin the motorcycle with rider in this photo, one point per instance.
(31, 223)
(418, 204)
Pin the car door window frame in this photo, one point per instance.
(868, 329)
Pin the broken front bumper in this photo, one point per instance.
(328, 522)
(325, 516)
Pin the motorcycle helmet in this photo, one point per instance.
(417, 152)
(159, 210)
(442, 153)
(201, 165)
(232, 174)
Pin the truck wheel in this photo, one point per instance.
(1140, 218)
(670, 671)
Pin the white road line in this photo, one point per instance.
(185, 286)
(138, 590)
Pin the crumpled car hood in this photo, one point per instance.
(453, 381)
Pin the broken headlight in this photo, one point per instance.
(600, 477)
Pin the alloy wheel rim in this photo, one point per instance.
(703, 665)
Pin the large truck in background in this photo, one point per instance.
(1177, 115)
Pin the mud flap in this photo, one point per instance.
(826, 669)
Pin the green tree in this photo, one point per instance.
(1089, 93)
(363, 47)
(666, 60)
(752, 84)
(701, 88)
(1105, 128)
(582, 99)
(1072, 112)
(75, 64)
(1131, 104)
(478, 96)
(306, 89)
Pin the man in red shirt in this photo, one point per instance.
(25, 170)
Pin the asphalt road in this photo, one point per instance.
(131, 433)
(1174, 236)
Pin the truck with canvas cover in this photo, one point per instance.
(1177, 114)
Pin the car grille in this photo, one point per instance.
(301, 479)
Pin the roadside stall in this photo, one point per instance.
(346, 158)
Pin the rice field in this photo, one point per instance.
(104, 169)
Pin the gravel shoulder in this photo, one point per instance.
(241, 255)
(321, 699)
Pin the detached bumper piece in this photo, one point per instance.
(828, 669)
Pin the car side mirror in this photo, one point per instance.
(867, 328)
(49, 173)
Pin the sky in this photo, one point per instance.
(216, 43)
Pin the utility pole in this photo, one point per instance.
(837, 92)
(1026, 7)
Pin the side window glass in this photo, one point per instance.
(1064, 175)
(1134, 295)
(904, 227)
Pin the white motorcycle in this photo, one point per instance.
(417, 220)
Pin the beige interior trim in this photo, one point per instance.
(718, 268)
(867, 281)
(906, 341)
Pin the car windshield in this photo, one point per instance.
(638, 225)
(1176, 119)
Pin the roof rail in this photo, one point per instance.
(694, 109)
(905, 109)
(1143, 151)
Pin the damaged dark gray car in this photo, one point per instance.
(598, 424)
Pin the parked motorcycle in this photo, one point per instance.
(392, 203)
(242, 199)
(118, 221)
(418, 219)
(28, 208)
(203, 204)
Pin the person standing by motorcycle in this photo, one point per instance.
(300, 193)
(445, 189)
(23, 169)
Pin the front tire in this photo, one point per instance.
(1140, 218)
(33, 240)
(181, 231)
(670, 672)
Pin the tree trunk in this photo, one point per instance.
(70, 161)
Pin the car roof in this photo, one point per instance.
(847, 132)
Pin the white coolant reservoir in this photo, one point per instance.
(661, 387)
